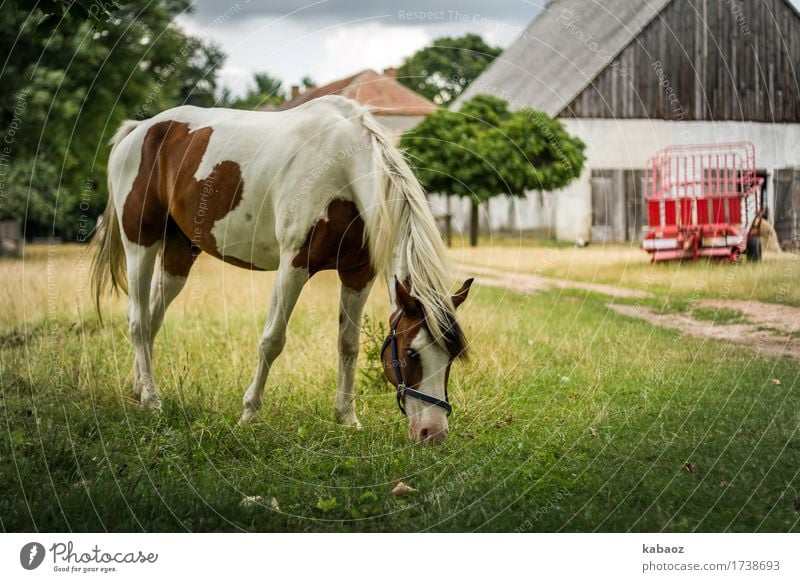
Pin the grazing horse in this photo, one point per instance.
(317, 187)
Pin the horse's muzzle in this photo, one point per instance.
(428, 433)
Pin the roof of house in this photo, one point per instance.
(566, 46)
(381, 92)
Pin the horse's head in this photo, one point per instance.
(419, 367)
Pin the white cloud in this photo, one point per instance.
(235, 78)
(352, 48)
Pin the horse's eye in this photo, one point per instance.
(411, 353)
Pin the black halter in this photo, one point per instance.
(402, 389)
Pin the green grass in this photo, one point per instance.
(568, 417)
(715, 315)
(719, 315)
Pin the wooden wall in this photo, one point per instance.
(786, 216)
(704, 60)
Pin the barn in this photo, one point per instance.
(630, 77)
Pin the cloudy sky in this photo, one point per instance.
(329, 39)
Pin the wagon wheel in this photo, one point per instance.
(736, 253)
(753, 248)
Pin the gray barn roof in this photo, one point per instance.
(566, 46)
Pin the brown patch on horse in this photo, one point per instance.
(144, 217)
(411, 368)
(179, 253)
(165, 188)
(337, 242)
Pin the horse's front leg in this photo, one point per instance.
(351, 307)
(288, 284)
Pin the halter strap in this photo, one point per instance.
(402, 389)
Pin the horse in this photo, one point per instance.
(314, 188)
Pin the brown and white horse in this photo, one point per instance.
(314, 188)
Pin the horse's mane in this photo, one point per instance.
(403, 231)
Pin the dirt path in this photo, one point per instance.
(752, 334)
(527, 283)
(768, 328)
(780, 317)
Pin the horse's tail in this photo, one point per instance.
(402, 223)
(108, 266)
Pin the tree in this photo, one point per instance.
(443, 70)
(485, 150)
(198, 80)
(74, 71)
(267, 84)
(266, 90)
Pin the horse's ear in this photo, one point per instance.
(461, 295)
(404, 299)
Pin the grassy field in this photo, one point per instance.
(568, 417)
(774, 280)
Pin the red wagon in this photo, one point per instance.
(703, 201)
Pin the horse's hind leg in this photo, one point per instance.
(141, 261)
(351, 307)
(288, 284)
(172, 271)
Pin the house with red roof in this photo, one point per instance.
(394, 105)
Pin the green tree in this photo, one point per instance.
(198, 80)
(267, 84)
(443, 70)
(74, 71)
(485, 150)
(265, 90)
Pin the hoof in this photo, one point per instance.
(248, 415)
(352, 424)
(348, 419)
(152, 403)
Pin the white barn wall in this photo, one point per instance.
(535, 212)
(610, 144)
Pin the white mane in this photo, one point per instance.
(403, 235)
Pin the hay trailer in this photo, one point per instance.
(703, 201)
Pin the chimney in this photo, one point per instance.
(295, 91)
(390, 72)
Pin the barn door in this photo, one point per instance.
(786, 218)
(602, 206)
(608, 206)
(635, 215)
